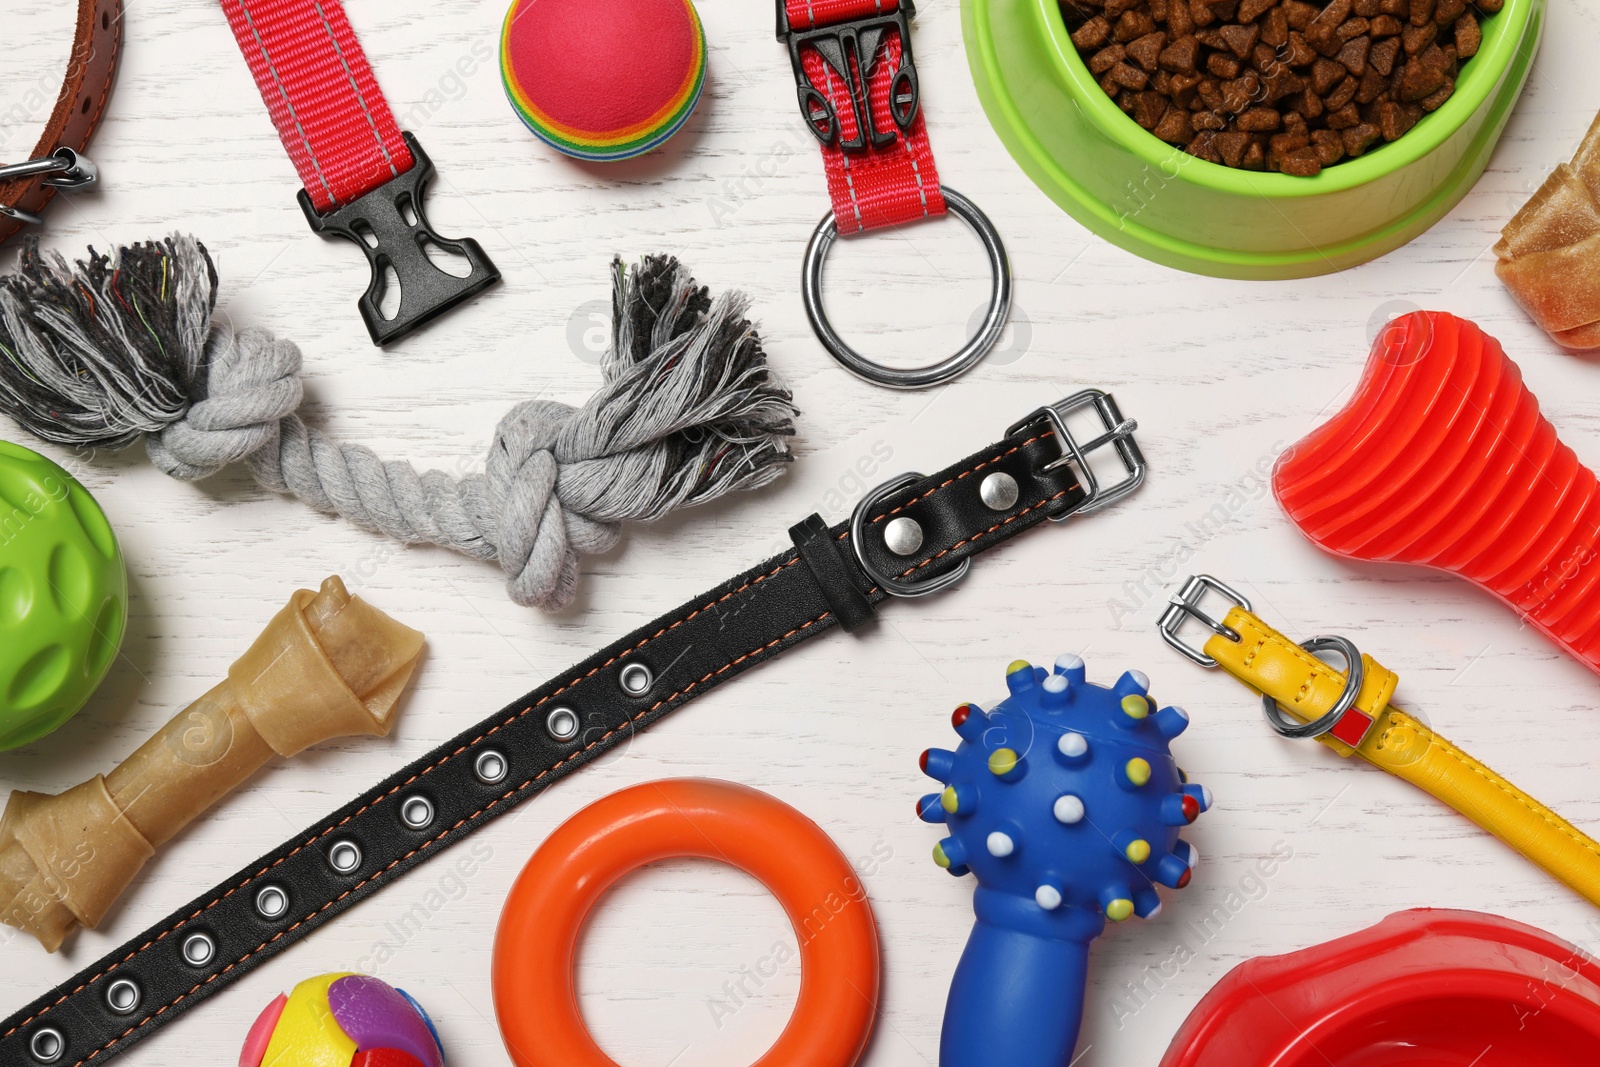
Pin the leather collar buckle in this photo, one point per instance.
(850, 47)
(1118, 434)
(1185, 604)
(1343, 720)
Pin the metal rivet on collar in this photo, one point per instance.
(903, 536)
(490, 767)
(636, 679)
(47, 1044)
(199, 950)
(562, 724)
(123, 996)
(272, 902)
(999, 491)
(344, 856)
(416, 812)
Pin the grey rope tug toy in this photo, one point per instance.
(122, 348)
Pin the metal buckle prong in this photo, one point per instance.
(1119, 433)
(1185, 604)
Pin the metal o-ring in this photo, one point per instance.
(123, 996)
(199, 949)
(47, 1045)
(272, 902)
(344, 856)
(989, 332)
(416, 812)
(490, 766)
(1355, 674)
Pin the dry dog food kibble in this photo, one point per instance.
(1284, 85)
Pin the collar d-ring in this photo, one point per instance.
(1355, 676)
(887, 582)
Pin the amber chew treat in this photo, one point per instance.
(328, 665)
(1549, 253)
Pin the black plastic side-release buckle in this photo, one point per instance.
(851, 49)
(391, 227)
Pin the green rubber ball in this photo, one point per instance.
(63, 596)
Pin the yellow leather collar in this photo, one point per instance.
(1307, 688)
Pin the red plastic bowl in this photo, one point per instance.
(1423, 988)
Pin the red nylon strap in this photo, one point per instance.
(876, 187)
(330, 113)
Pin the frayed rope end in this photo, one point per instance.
(108, 349)
(119, 347)
(689, 399)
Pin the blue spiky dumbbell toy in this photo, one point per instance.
(1065, 802)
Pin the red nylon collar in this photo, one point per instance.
(318, 87)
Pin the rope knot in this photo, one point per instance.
(124, 347)
(253, 384)
(537, 538)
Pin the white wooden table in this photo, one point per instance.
(1220, 375)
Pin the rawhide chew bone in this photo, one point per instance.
(1442, 459)
(124, 347)
(328, 665)
(1550, 250)
(1065, 802)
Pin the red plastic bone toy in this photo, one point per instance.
(1443, 459)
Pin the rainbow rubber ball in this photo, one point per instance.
(343, 1020)
(603, 81)
(63, 596)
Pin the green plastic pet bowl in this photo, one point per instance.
(1159, 202)
(63, 595)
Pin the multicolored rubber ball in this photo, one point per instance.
(343, 1020)
(603, 81)
(63, 596)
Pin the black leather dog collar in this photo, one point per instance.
(1037, 472)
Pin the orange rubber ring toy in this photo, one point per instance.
(536, 944)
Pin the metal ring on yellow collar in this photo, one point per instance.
(1354, 677)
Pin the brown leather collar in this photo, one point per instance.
(78, 108)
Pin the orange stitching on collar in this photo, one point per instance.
(486, 734)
